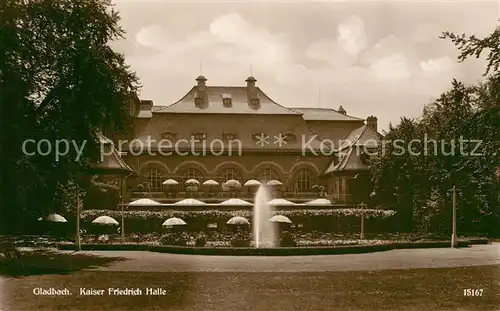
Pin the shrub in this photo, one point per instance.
(219, 244)
(8, 251)
(215, 215)
(287, 240)
(103, 238)
(181, 240)
(178, 239)
(167, 239)
(241, 239)
(201, 240)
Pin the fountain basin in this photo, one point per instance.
(277, 251)
(274, 251)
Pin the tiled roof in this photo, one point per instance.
(350, 161)
(362, 136)
(147, 113)
(348, 155)
(239, 104)
(111, 162)
(324, 114)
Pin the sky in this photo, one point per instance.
(381, 58)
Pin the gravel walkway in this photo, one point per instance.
(477, 255)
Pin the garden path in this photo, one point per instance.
(476, 255)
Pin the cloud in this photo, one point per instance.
(392, 67)
(437, 65)
(292, 75)
(331, 52)
(228, 39)
(344, 49)
(245, 42)
(351, 35)
(388, 59)
(152, 36)
(365, 62)
(425, 33)
(385, 47)
(385, 61)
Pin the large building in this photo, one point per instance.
(228, 132)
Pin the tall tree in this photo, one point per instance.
(459, 146)
(59, 80)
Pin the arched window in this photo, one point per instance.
(304, 180)
(229, 173)
(154, 179)
(192, 173)
(267, 174)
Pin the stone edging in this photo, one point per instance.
(279, 251)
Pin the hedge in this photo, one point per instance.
(106, 247)
(214, 215)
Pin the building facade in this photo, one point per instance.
(223, 133)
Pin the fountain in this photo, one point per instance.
(263, 230)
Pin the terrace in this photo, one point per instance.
(215, 197)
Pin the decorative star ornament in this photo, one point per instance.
(280, 140)
(262, 139)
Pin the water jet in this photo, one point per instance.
(264, 234)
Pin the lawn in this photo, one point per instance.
(416, 289)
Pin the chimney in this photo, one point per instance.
(200, 98)
(253, 96)
(341, 110)
(250, 81)
(371, 122)
(201, 81)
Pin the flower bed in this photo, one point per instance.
(218, 244)
(223, 239)
(212, 215)
(327, 220)
(338, 242)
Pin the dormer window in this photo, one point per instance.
(198, 101)
(168, 136)
(226, 100)
(199, 136)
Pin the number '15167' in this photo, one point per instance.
(473, 292)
